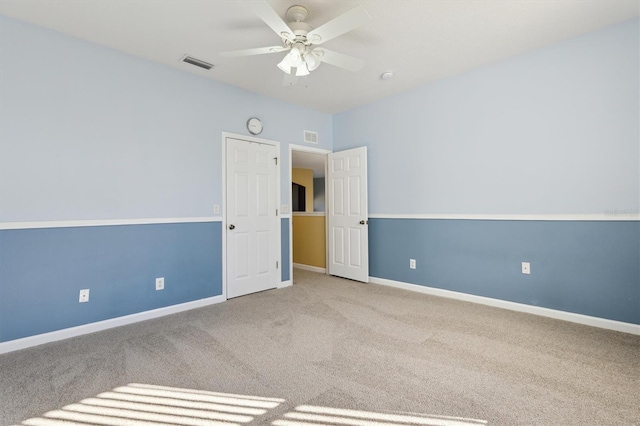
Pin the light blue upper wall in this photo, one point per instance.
(552, 131)
(87, 132)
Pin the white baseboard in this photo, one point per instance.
(310, 268)
(624, 327)
(27, 342)
(284, 284)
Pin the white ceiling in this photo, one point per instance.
(419, 40)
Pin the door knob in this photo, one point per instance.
(364, 222)
(232, 227)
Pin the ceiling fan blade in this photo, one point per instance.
(342, 24)
(341, 61)
(256, 51)
(271, 18)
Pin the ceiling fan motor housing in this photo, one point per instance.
(296, 16)
(297, 13)
(300, 31)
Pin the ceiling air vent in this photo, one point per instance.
(310, 137)
(197, 62)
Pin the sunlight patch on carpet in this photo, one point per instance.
(149, 405)
(308, 415)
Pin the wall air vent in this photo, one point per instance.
(197, 62)
(310, 137)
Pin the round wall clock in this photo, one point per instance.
(254, 125)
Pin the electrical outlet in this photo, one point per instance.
(526, 268)
(160, 283)
(84, 296)
(285, 209)
(412, 263)
(216, 208)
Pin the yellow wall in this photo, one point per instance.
(309, 246)
(304, 177)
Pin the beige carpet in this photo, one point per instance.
(330, 351)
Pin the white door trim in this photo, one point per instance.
(226, 135)
(293, 147)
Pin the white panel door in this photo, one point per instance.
(252, 231)
(347, 219)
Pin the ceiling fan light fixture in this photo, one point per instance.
(302, 70)
(312, 60)
(285, 65)
(295, 58)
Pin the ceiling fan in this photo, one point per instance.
(301, 40)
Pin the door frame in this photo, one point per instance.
(313, 150)
(225, 136)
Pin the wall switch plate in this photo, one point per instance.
(160, 283)
(526, 268)
(216, 208)
(84, 296)
(285, 209)
(412, 263)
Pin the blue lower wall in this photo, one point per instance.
(590, 268)
(42, 271)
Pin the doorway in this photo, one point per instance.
(308, 222)
(343, 216)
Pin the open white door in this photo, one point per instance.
(252, 222)
(347, 214)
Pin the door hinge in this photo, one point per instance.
(277, 264)
(276, 212)
(276, 158)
